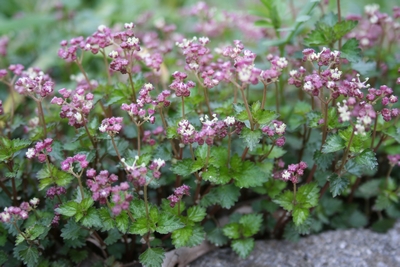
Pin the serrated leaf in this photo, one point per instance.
(251, 224)
(227, 195)
(333, 143)
(137, 208)
(91, 218)
(113, 236)
(152, 257)
(367, 159)
(337, 184)
(183, 167)
(197, 237)
(308, 195)
(264, 117)
(300, 214)
(181, 236)
(343, 27)
(71, 230)
(232, 230)
(251, 138)
(139, 227)
(28, 254)
(323, 160)
(249, 175)
(122, 221)
(243, 247)
(50, 174)
(351, 50)
(69, 208)
(168, 223)
(196, 213)
(217, 237)
(106, 219)
(285, 200)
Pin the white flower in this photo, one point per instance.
(230, 121)
(78, 117)
(159, 162)
(30, 153)
(103, 128)
(285, 175)
(280, 129)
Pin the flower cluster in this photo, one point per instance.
(293, 172)
(55, 191)
(147, 135)
(137, 111)
(178, 194)
(137, 173)
(276, 131)
(394, 159)
(102, 188)
(67, 166)
(41, 149)
(34, 83)
(373, 25)
(1, 108)
(18, 213)
(111, 125)
(179, 86)
(196, 53)
(77, 110)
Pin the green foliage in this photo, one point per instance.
(333, 143)
(251, 137)
(28, 254)
(337, 184)
(152, 257)
(224, 195)
(10, 148)
(50, 175)
(243, 247)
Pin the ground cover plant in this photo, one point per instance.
(210, 125)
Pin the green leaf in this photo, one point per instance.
(137, 208)
(69, 208)
(152, 257)
(50, 174)
(91, 219)
(196, 238)
(382, 202)
(393, 132)
(226, 195)
(232, 230)
(168, 223)
(274, 187)
(251, 138)
(217, 237)
(249, 175)
(28, 254)
(367, 159)
(3, 257)
(264, 117)
(333, 143)
(300, 214)
(113, 236)
(323, 160)
(351, 50)
(369, 188)
(251, 224)
(183, 167)
(181, 236)
(140, 226)
(243, 247)
(337, 184)
(343, 27)
(71, 230)
(122, 221)
(196, 213)
(285, 200)
(106, 219)
(308, 195)
(383, 225)
(78, 255)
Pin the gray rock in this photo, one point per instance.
(349, 248)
